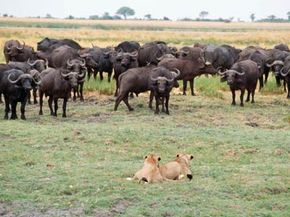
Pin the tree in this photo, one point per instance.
(272, 17)
(288, 14)
(203, 14)
(70, 17)
(48, 16)
(125, 11)
(253, 17)
(148, 16)
(107, 16)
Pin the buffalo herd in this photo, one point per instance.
(60, 67)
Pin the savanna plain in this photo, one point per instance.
(77, 166)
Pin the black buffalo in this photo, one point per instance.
(56, 83)
(122, 61)
(49, 44)
(285, 72)
(15, 86)
(14, 51)
(150, 52)
(128, 46)
(189, 68)
(242, 76)
(161, 82)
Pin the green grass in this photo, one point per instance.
(79, 164)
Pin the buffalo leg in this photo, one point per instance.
(81, 91)
(284, 84)
(191, 82)
(22, 109)
(151, 99)
(118, 100)
(1, 98)
(184, 87)
(242, 97)
(166, 103)
(157, 103)
(89, 73)
(13, 110)
(75, 92)
(125, 99)
(29, 97)
(55, 106)
(109, 76)
(233, 97)
(101, 75)
(253, 95)
(248, 96)
(278, 82)
(50, 105)
(7, 108)
(64, 107)
(117, 85)
(40, 102)
(266, 73)
(34, 96)
(162, 104)
(261, 82)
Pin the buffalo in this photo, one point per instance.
(122, 61)
(242, 76)
(150, 52)
(49, 44)
(161, 82)
(128, 46)
(285, 72)
(57, 83)
(14, 51)
(15, 86)
(189, 68)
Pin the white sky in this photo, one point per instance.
(173, 9)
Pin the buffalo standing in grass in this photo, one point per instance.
(285, 72)
(31, 67)
(242, 76)
(137, 80)
(57, 83)
(68, 58)
(189, 68)
(122, 61)
(161, 82)
(15, 86)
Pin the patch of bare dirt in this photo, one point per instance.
(120, 207)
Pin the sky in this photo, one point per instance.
(174, 9)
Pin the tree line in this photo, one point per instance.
(125, 12)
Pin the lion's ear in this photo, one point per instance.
(177, 155)
(145, 157)
(191, 157)
(159, 158)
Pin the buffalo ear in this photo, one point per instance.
(159, 158)
(145, 157)
(191, 157)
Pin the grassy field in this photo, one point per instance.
(50, 166)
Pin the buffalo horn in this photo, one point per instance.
(83, 63)
(22, 47)
(69, 63)
(239, 73)
(284, 74)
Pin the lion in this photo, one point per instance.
(150, 172)
(177, 169)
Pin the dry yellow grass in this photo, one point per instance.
(262, 34)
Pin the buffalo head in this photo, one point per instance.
(77, 66)
(231, 76)
(24, 81)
